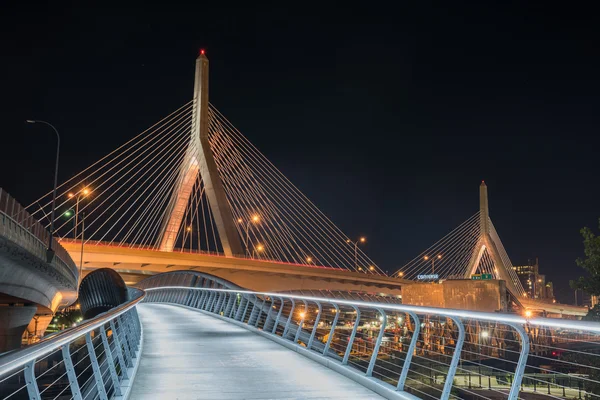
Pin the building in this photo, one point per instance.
(533, 282)
(586, 300)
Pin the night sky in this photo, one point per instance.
(388, 118)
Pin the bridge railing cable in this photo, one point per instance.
(403, 351)
(95, 359)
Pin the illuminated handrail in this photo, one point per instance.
(96, 357)
(416, 368)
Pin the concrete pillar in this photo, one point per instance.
(13, 322)
(201, 161)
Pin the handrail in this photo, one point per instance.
(446, 312)
(19, 358)
(409, 352)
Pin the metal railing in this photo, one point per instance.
(23, 229)
(403, 351)
(94, 360)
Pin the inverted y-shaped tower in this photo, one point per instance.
(486, 243)
(199, 160)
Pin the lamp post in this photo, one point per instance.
(255, 218)
(484, 335)
(259, 247)
(82, 242)
(81, 193)
(49, 251)
(439, 257)
(360, 240)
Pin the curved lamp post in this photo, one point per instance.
(49, 251)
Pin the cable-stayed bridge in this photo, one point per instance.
(222, 238)
(192, 192)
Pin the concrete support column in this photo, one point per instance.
(13, 322)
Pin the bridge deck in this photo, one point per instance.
(189, 355)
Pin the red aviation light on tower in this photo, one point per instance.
(202, 51)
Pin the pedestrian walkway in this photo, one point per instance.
(190, 355)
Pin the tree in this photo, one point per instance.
(591, 263)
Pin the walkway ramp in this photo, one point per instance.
(189, 355)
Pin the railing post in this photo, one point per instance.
(301, 322)
(315, 324)
(352, 335)
(95, 367)
(455, 359)
(205, 299)
(215, 300)
(195, 297)
(331, 331)
(201, 294)
(124, 335)
(233, 310)
(252, 312)
(132, 331)
(229, 304)
(260, 310)
(221, 305)
(411, 350)
(110, 361)
(73, 384)
(289, 320)
(520, 370)
(217, 303)
(268, 318)
(209, 301)
(274, 330)
(377, 343)
(32, 387)
(243, 303)
(246, 309)
(119, 348)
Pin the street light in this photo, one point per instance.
(259, 248)
(484, 335)
(49, 251)
(255, 218)
(78, 196)
(400, 274)
(309, 259)
(82, 243)
(439, 257)
(362, 239)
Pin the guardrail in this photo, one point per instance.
(23, 229)
(403, 351)
(96, 359)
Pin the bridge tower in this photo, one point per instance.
(486, 243)
(199, 159)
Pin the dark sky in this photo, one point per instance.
(388, 118)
